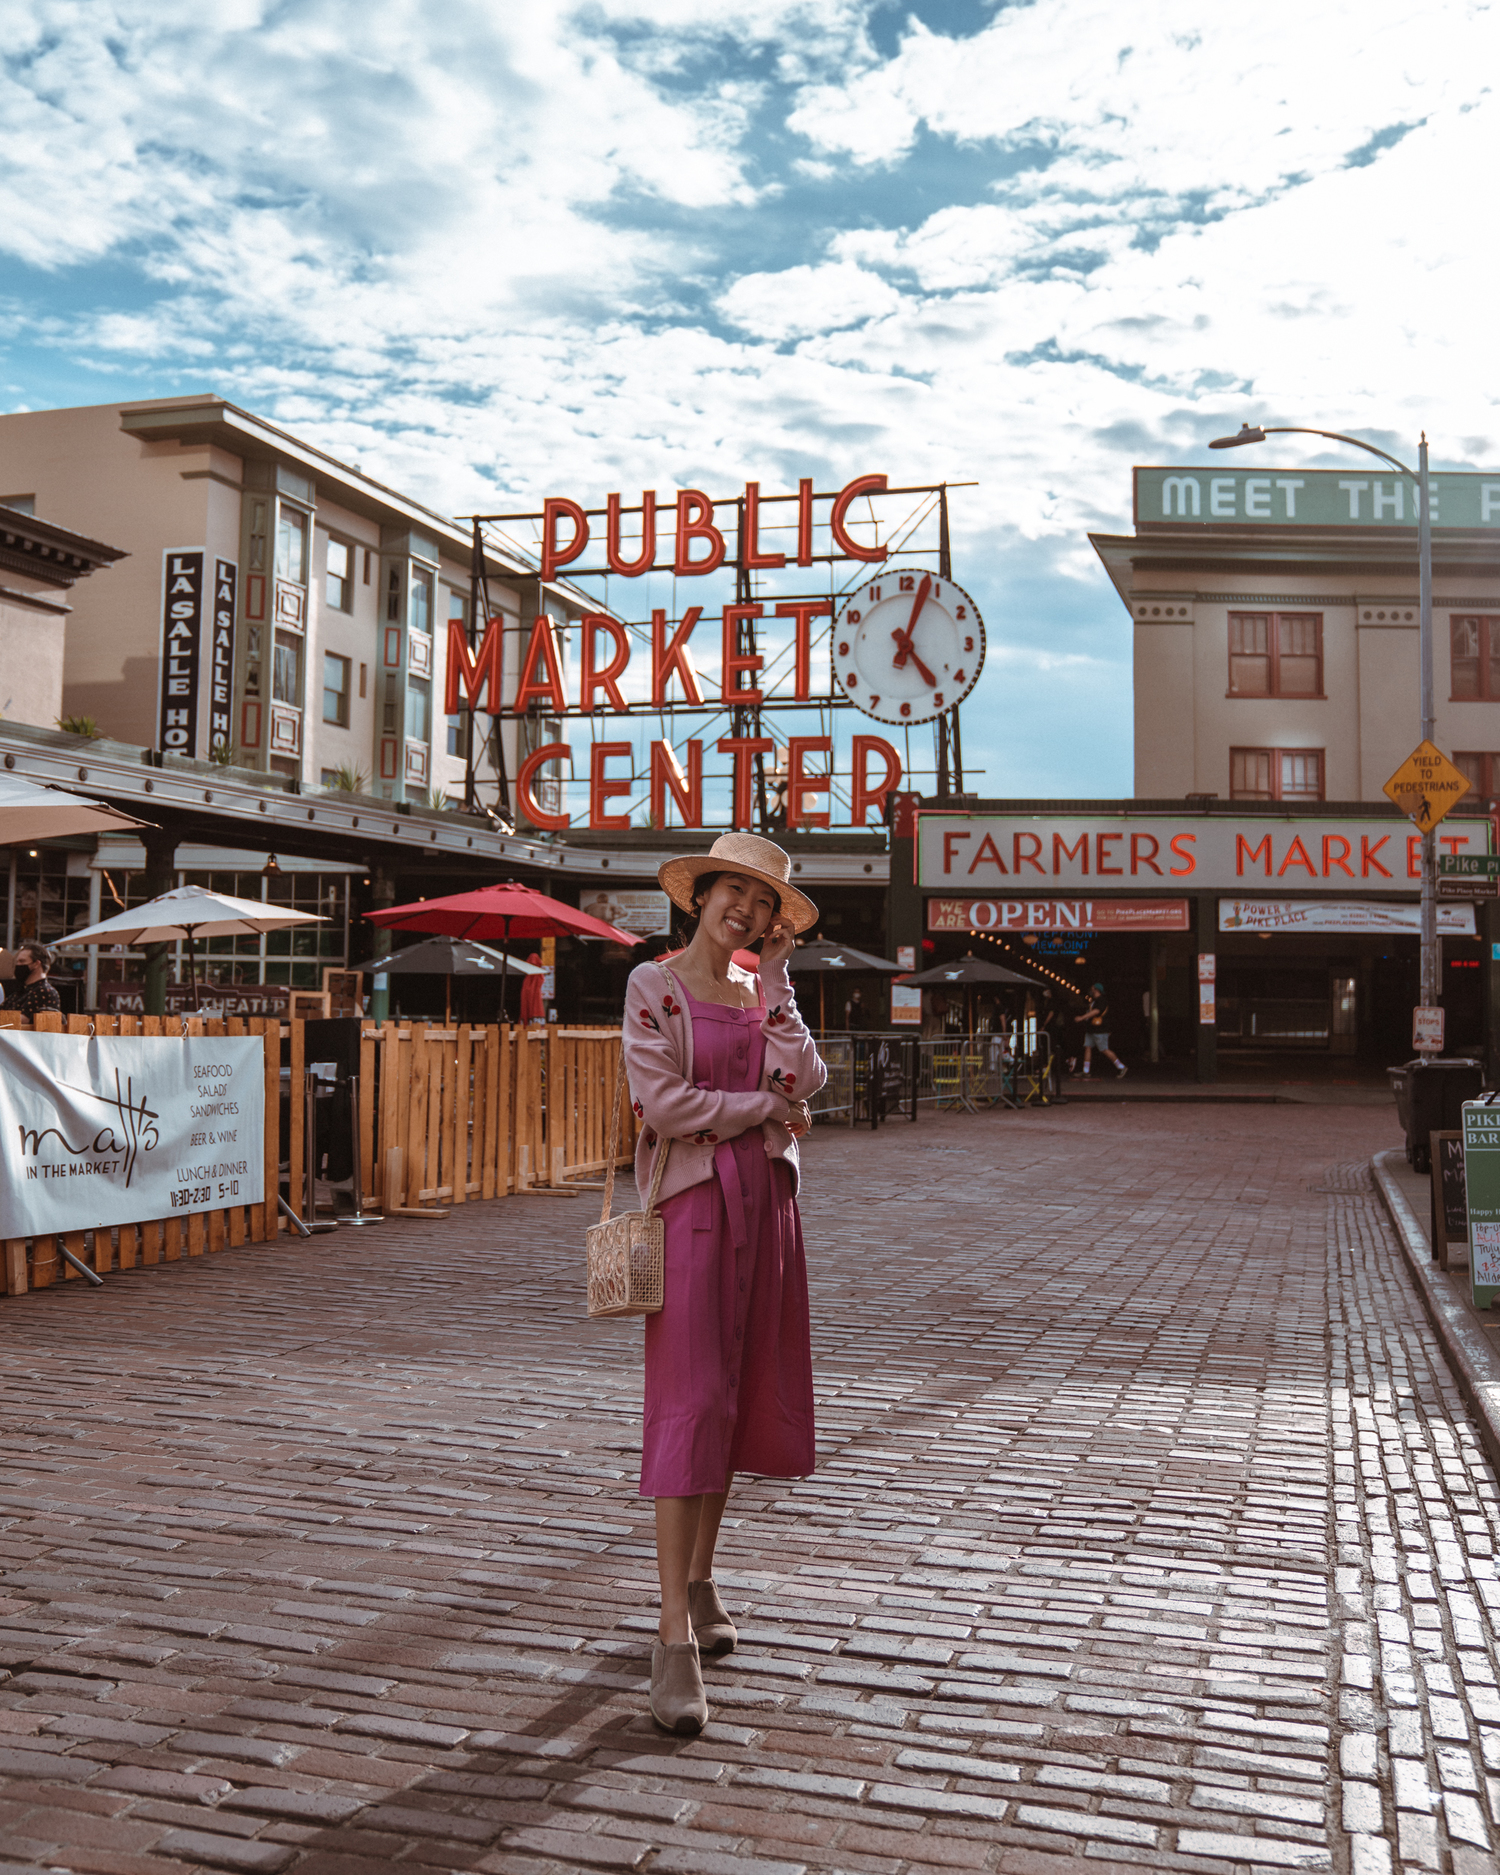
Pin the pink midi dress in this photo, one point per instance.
(729, 1355)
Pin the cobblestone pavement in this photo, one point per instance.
(1148, 1529)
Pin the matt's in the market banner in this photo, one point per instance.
(101, 1130)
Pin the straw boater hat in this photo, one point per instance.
(745, 853)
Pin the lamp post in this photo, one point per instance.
(1418, 477)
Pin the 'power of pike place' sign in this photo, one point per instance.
(1191, 852)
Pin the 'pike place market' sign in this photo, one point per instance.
(475, 674)
(1190, 852)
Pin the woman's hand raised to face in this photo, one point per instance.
(779, 943)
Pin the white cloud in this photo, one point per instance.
(801, 300)
(491, 251)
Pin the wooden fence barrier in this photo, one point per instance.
(446, 1115)
(482, 1112)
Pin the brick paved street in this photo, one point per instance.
(1148, 1530)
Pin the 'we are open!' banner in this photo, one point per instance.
(100, 1130)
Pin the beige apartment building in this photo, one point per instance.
(1275, 630)
(278, 608)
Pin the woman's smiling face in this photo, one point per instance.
(736, 910)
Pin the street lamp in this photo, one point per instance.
(1249, 433)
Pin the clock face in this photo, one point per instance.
(908, 646)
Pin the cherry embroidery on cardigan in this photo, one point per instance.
(781, 1081)
(775, 1017)
(705, 1139)
(637, 1109)
(651, 1142)
(672, 1009)
(650, 1020)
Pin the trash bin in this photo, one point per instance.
(1430, 1093)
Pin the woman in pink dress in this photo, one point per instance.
(721, 1065)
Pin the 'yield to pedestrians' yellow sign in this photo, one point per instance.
(1426, 786)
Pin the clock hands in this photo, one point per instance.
(904, 646)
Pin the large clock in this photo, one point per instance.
(908, 646)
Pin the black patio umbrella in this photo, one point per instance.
(451, 957)
(821, 959)
(970, 969)
(821, 955)
(966, 972)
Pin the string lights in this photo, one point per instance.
(1028, 958)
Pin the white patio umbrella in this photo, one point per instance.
(31, 811)
(191, 912)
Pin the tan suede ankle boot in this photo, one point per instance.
(678, 1703)
(712, 1629)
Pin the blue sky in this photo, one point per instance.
(495, 253)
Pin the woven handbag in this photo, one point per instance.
(626, 1254)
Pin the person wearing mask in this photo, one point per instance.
(1096, 1033)
(34, 994)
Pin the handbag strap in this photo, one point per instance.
(614, 1149)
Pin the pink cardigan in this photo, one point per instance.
(659, 1063)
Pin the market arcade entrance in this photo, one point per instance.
(1238, 940)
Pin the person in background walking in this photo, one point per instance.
(721, 1065)
(1096, 1033)
(34, 994)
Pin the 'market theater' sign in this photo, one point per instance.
(974, 854)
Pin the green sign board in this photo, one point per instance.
(1469, 865)
(1268, 497)
(1482, 1179)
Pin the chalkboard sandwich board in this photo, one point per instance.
(1450, 1198)
(1481, 1123)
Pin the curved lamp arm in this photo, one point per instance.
(1259, 434)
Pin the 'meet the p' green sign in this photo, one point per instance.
(1268, 497)
(1482, 1176)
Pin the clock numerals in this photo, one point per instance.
(853, 617)
(874, 703)
(968, 644)
(908, 582)
(874, 595)
(937, 697)
(962, 612)
(958, 678)
(843, 650)
(906, 709)
(851, 682)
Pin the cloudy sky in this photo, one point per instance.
(499, 252)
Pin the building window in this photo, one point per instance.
(291, 545)
(338, 588)
(1475, 643)
(1481, 769)
(335, 690)
(421, 602)
(393, 594)
(418, 710)
(1276, 774)
(1275, 654)
(285, 687)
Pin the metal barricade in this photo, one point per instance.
(834, 1100)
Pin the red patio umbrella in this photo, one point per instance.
(496, 914)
